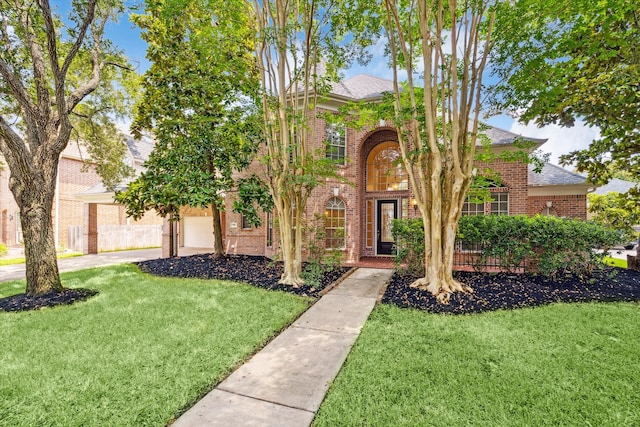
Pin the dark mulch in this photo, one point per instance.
(508, 291)
(255, 270)
(23, 302)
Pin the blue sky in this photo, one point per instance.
(560, 140)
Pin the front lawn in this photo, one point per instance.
(139, 353)
(559, 364)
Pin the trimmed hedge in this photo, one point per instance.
(544, 244)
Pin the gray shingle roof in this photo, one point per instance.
(140, 149)
(361, 87)
(554, 175)
(500, 136)
(616, 186)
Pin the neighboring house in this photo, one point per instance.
(76, 176)
(359, 215)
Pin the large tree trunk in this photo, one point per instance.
(34, 192)
(218, 247)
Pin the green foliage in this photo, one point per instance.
(321, 259)
(3, 249)
(547, 244)
(253, 194)
(557, 62)
(197, 101)
(615, 210)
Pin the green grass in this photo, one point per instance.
(560, 364)
(139, 353)
(615, 262)
(11, 261)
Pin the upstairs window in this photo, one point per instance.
(336, 137)
(385, 171)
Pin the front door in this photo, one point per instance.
(387, 212)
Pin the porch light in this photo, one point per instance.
(414, 203)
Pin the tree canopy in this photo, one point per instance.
(197, 100)
(558, 62)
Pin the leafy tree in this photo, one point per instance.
(615, 210)
(561, 61)
(196, 101)
(438, 126)
(292, 39)
(57, 77)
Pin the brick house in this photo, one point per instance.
(358, 214)
(76, 177)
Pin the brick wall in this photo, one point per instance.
(567, 206)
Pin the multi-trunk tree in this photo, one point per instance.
(54, 76)
(197, 101)
(298, 50)
(438, 124)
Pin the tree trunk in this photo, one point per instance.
(291, 247)
(218, 247)
(34, 194)
(439, 251)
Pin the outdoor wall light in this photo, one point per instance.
(414, 203)
(549, 203)
(336, 191)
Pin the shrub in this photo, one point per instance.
(546, 244)
(3, 249)
(320, 259)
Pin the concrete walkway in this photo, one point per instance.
(284, 384)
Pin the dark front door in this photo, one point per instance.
(387, 212)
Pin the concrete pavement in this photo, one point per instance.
(284, 384)
(17, 271)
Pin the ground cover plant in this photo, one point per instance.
(138, 353)
(559, 364)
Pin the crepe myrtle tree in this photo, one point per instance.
(57, 76)
(299, 47)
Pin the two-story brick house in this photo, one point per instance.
(359, 213)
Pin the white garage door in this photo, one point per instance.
(198, 231)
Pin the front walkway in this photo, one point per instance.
(284, 384)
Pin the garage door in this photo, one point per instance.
(198, 231)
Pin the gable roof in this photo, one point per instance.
(554, 175)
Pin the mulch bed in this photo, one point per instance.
(509, 291)
(23, 302)
(255, 270)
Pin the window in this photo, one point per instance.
(549, 211)
(472, 209)
(269, 229)
(336, 143)
(385, 171)
(370, 220)
(245, 223)
(499, 203)
(335, 222)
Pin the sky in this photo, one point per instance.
(561, 140)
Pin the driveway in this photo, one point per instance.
(17, 271)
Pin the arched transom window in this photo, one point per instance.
(335, 212)
(385, 171)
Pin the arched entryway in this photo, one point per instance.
(385, 191)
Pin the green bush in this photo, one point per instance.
(3, 249)
(548, 245)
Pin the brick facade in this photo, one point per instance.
(74, 177)
(359, 202)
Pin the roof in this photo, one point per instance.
(503, 137)
(140, 149)
(616, 186)
(361, 87)
(554, 175)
